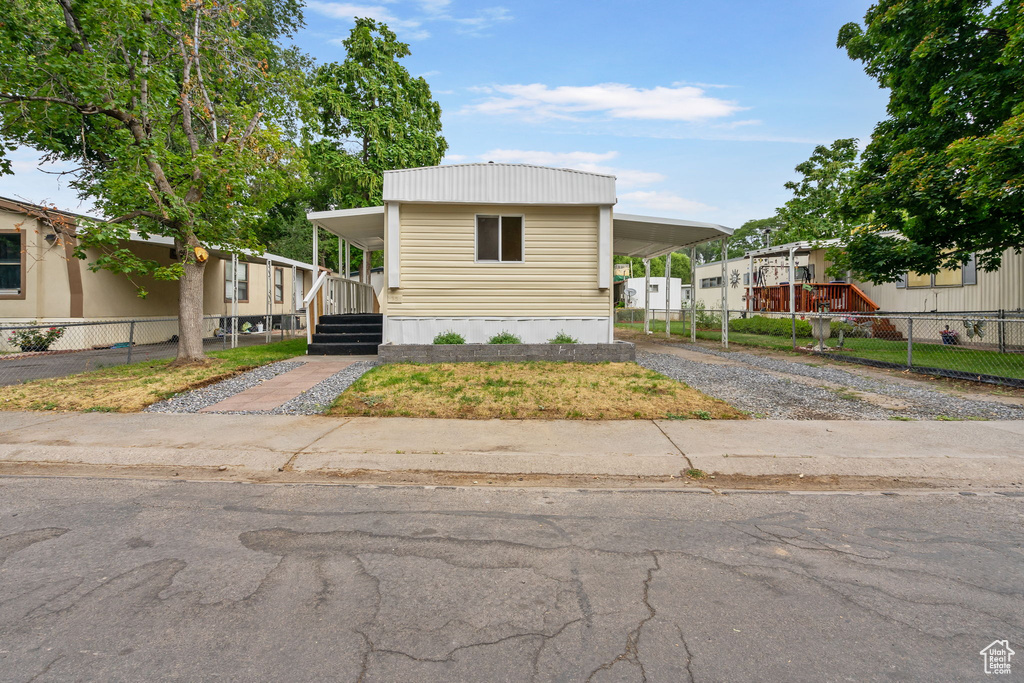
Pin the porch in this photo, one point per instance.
(835, 297)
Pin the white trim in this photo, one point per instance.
(604, 247)
(393, 254)
(499, 216)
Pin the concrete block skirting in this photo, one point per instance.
(618, 352)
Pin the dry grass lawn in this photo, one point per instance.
(130, 388)
(603, 391)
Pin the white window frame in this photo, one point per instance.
(476, 236)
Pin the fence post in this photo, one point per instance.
(131, 340)
(910, 342)
(1001, 326)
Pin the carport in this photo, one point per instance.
(645, 237)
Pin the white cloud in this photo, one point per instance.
(593, 162)
(409, 19)
(661, 200)
(485, 18)
(410, 28)
(615, 100)
(455, 158)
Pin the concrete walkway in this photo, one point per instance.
(277, 391)
(952, 453)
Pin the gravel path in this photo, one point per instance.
(197, 399)
(310, 402)
(754, 385)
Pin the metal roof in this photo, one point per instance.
(650, 236)
(499, 184)
(632, 235)
(364, 227)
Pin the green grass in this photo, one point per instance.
(944, 356)
(128, 388)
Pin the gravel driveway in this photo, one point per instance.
(783, 390)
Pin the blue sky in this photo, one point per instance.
(701, 109)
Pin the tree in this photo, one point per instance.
(945, 170)
(680, 265)
(175, 114)
(814, 212)
(372, 117)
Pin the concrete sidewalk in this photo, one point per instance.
(979, 453)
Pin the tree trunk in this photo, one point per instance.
(190, 314)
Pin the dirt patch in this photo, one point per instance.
(542, 390)
(712, 483)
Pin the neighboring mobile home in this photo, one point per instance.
(483, 248)
(41, 280)
(966, 289)
(679, 299)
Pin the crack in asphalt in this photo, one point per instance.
(631, 652)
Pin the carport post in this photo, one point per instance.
(647, 296)
(750, 281)
(725, 293)
(693, 294)
(270, 306)
(234, 300)
(792, 292)
(668, 292)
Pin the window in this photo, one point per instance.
(12, 265)
(243, 282)
(746, 279)
(918, 280)
(278, 285)
(947, 277)
(709, 282)
(499, 238)
(654, 288)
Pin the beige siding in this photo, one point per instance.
(712, 296)
(45, 279)
(439, 275)
(1001, 290)
(108, 295)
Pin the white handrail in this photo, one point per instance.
(306, 301)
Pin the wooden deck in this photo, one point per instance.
(840, 297)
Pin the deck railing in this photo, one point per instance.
(837, 297)
(333, 295)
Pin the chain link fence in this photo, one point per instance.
(982, 346)
(32, 351)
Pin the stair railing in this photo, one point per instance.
(310, 296)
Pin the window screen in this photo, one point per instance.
(243, 281)
(10, 263)
(971, 271)
(487, 234)
(511, 238)
(949, 277)
(499, 238)
(918, 280)
(278, 285)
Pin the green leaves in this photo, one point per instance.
(372, 116)
(945, 169)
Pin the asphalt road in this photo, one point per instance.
(138, 580)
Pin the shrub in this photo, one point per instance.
(449, 337)
(774, 327)
(707, 320)
(563, 338)
(504, 337)
(35, 338)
